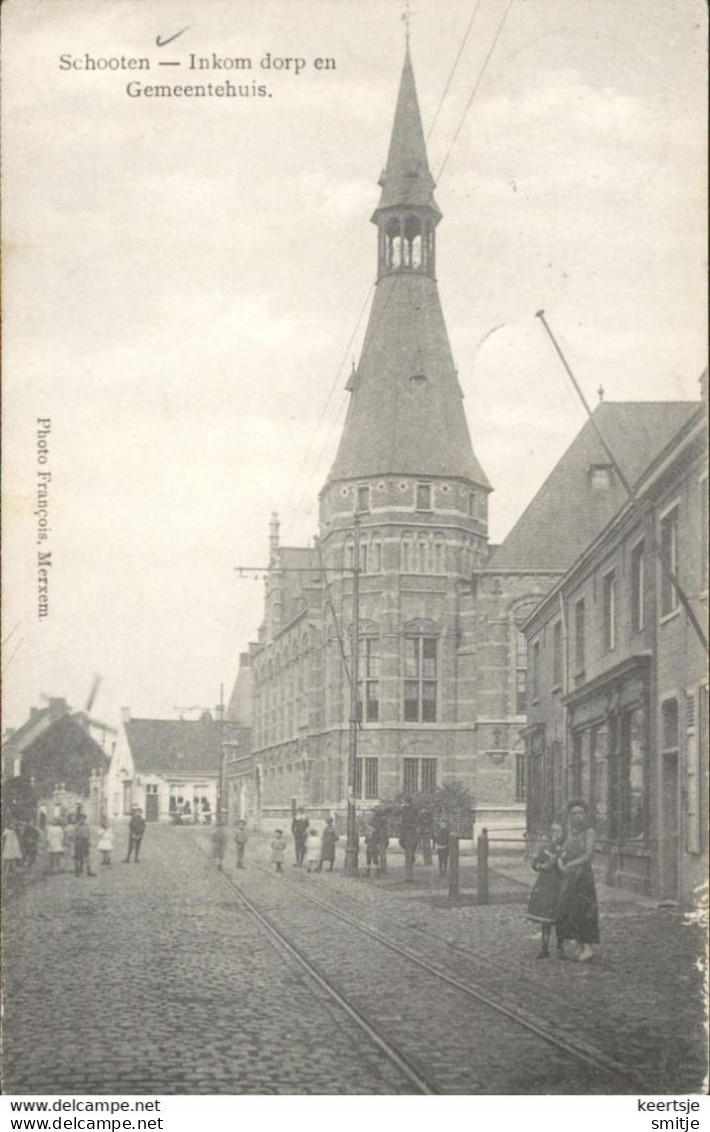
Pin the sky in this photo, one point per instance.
(186, 285)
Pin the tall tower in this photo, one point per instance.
(406, 469)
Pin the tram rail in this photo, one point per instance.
(589, 1057)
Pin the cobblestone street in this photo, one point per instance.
(153, 978)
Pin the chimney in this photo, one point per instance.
(57, 708)
(34, 712)
(125, 715)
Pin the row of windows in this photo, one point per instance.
(420, 553)
(422, 500)
(418, 775)
(274, 707)
(669, 603)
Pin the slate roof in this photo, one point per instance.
(406, 411)
(407, 179)
(176, 746)
(568, 513)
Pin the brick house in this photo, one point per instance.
(618, 693)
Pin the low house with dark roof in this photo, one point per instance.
(52, 763)
(171, 768)
(618, 690)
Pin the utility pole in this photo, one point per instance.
(351, 845)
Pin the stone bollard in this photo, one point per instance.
(482, 860)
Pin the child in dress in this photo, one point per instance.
(545, 896)
(313, 847)
(278, 848)
(105, 845)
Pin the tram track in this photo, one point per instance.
(424, 1079)
(413, 1074)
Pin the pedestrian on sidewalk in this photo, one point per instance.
(136, 829)
(577, 914)
(278, 848)
(545, 896)
(372, 848)
(299, 829)
(328, 840)
(105, 845)
(55, 845)
(441, 841)
(240, 840)
(11, 852)
(82, 847)
(313, 849)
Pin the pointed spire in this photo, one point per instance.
(407, 179)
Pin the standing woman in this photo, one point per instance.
(577, 916)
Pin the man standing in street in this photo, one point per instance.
(299, 829)
(136, 829)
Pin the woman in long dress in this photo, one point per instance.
(577, 915)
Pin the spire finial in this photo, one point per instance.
(407, 16)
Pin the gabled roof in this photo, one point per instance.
(176, 746)
(406, 411)
(568, 512)
(407, 179)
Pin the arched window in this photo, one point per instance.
(375, 554)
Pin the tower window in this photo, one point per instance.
(363, 497)
(423, 497)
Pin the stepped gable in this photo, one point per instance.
(568, 512)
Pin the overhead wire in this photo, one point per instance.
(474, 92)
(453, 70)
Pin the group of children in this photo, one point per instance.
(312, 848)
(63, 840)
